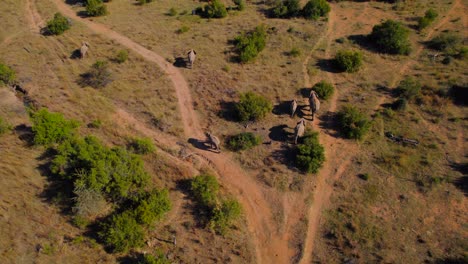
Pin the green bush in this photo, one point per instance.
(142, 2)
(409, 88)
(250, 44)
(310, 154)
(391, 37)
(142, 146)
(152, 206)
(58, 24)
(4, 126)
(159, 258)
(205, 189)
(215, 9)
(315, 9)
(50, 128)
(252, 107)
(324, 90)
(240, 4)
(447, 42)
(172, 12)
(225, 215)
(286, 9)
(96, 8)
(353, 123)
(348, 60)
(89, 164)
(98, 76)
(122, 56)
(400, 104)
(183, 29)
(427, 19)
(243, 141)
(295, 52)
(122, 233)
(7, 75)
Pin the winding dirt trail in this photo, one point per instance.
(257, 210)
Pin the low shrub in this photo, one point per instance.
(324, 90)
(96, 8)
(4, 126)
(7, 74)
(122, 233)
(58, 24)
(172, 12)
(310, 154)
(252, 107)
(159, 258)
(409, 88)
(98, 76)
(205, 189)
(348, 60)
(152, 206)
(122, 56)
(427, 19)
(142, 2)
(142, 146)
(50, 128)
(215, 9)
(400, 104)
(183, 29)
(250, 44)
(295, 52)
(391, 37)
(286, 9)
(447, 42)
(240, 4)
(314, 9)
(89, 203)
(224, 215)
(353, 123)
(243, 141)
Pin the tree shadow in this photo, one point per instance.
(328, 123)
(328, 65)
(285, 155)
(82, 14)
(450, 260)
(76, 54)
(279, 133)
(461, 182)
(305, 92)
(364, 42)
(25, 134)
(180, 62)
(228, 111)
(459, 95)
(283, 108)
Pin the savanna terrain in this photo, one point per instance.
(105, 156)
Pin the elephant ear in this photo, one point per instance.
(194, 52)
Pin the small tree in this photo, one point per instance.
(122, 56)
(96, 8)
(409, 88)
(7, 75)
(205, 189)
(315, 9)
(250, 44)
(391, 37)
(310, 154)
(348, 60)
(243, 141)
(252, 107)
(50, 128)
(353, 123)
(98, 77)
(122, 233)
(324, 90)
(58, 24)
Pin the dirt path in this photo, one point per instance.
(251, 196)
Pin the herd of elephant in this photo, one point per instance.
(214, 141)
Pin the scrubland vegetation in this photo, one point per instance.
(102, 163)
